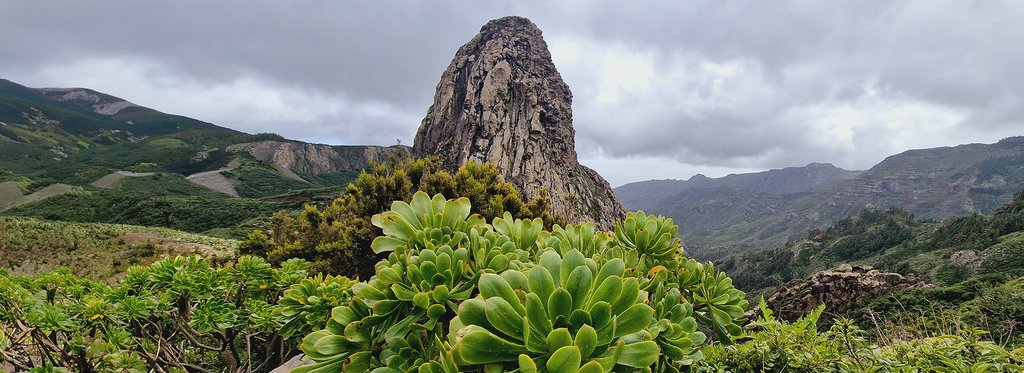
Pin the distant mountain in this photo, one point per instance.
(655, 194)
(961, 256)
(761, 210)
(80, 147)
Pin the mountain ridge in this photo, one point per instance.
(718, 219)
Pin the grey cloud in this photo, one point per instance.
(799, 62)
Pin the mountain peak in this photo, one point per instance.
(502, 100)
(514, 24)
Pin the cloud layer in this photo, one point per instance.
(661, 89)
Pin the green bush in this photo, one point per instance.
(458, 294)
(178, 314)
(336, 238)
(778, 346)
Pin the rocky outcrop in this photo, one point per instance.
(501, 100)
(841, 289)
(316, 159)
(100, 103)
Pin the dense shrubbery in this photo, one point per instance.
(197, 213)
(178, 314)
(778, 346)
(458, 294)
(96, 251)
(336, 238)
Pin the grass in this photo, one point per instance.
(257, 180)
(97, 251)
(11, 195)
(187, 213)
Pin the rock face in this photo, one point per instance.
(501, 100)
(840, 289)
(316, 159)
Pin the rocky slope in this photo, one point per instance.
(317, 159)
(502, 100)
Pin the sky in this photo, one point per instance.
(661, 89)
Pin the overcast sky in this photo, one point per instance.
(661, 89)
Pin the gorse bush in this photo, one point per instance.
(458, 294)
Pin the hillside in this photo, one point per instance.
(96, 251)
(757, 211)
(80, 155)
(887, 270)
(940, 252)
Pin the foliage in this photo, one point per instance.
(256, 180)
(458, 294)
(893, 240)
(193, 213)
(336, 238)
(178, 314)
(96, 251)
(985, 302)
(778, 346)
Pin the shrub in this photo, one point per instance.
(456, 293)
(336, 238)
(178, 314)
(778, 346)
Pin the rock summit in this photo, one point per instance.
(502, 100)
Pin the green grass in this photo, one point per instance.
(97, 251)
(257, 180)
(187, 213)
(165, 184)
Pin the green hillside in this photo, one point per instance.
(96, 251)
(974, 263)
(942, 252)
(75, 154)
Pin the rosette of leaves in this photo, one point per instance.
(675, 330)
(716, 303)
(493, 252)
(399, 311)
(576, 316)
(652, 237)
(583, 237)
(523, 233)
(415, 281)
(306, 305)
(357, 340)
(411, 225)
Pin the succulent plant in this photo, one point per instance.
(307, 305)
(457, 294)
(716, 302)
(523, 233)
(654, 238)
(575, 316)
(583, 237)
(675, 330)
(411, 225)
